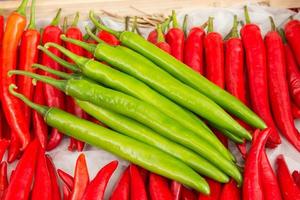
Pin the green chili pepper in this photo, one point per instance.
(137, 152)
(140, 67)
(140, 132)
(140, 111)
(122, 82)
(186, 75)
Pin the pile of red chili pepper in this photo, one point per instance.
(169, 104)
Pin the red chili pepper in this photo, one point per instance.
(176, 190)
(66, 178)
(75, 33)
(230, 191)
(187, 194)
(108, 38)
(53, 96)
(54, 180)
(12, 107)
(296, 177)
(3, 179)
(137, 187)
(175, 38)
(252, 187)
(152, 37)
(292, 32)
(28, 56)
(40, 128)
(3, 147)
(122, 190)
(159, 188)
(257, 76)
(295, 110)
(20, 185)
(14, 148)
(194, 49)
(87, 53)
(66, 192)
(144, 174)
(280, 101)
(42, 187)
(95, 190)
(289, 189)
(161, 43)
(1, 30)
(81, 178)
(215, 191)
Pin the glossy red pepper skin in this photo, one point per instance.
(159, 188)
(1, 29)
(252, 187)
(188, 194)
(176, 190)
(66, 192)
(108, 38)
(95, 190)
(215, 191)
(3, 147)
(87, 54)
(122, 190)
(137, 187)
(3, 179)
(20, 185)
(292, 33)
(152, 37)
(144, 174)
(175, 38)
(278, 87)
(194, 49)
(66, 178)
(53, 96)
(295, 110)
(257, 77)
(289, 189)
(230, 191)
(164, 46)
(54, 181)
(81, 178)
(296, 177)
(14, 148)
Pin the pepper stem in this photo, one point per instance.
(210, 25)
(89, 47)
(246, 13)
(79, 60)
(127, 19)
(92, 35)
(39, 108)
(52, 71)
(234, 31)
(56, 19)
(282, 34)
(87, 36)
(76, 20)
(59, 84)
(65, 25)
(22, 8)
(101, 26)
(135, 27)
(166, 24)
(273, 26)
(174, 19)
(184, 25)
(32, 16)
(59, 60)
(160, 35)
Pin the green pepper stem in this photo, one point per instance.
(127, 19)
(210, 25)
(32, 25)
(101, 26)
(59, 84)
(204, 25)
(246, 13)
(174, 19)
(52, 71)
(76, 20)
(160, 35)
(273, 26)
(166, 24)
(92, 35)
(65, 25)
(59, 60)
(79, 60)
(89, 47)
(56, 19)
(39, 108)
(184, 25)
(282, 34)
(234, 31)
(87, 36)
(22, 8)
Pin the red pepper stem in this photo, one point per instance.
(22, 8)
(76, 20)
(79, 60)
(59, 60)
(101, 26)
(32, 24)
(89, 47)
(59, 84)
(184, 25)
(273, 26)
(39, 108)
(52, 71)
(246, 13)
(234, 31)
(160, 35)
(56, 19)
(92, 35)
(210, 25)
(174, 19)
